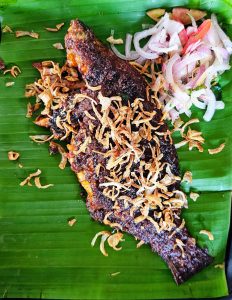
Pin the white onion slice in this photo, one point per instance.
(173, 26)
(128, 41)
(194, 24)
(212, 37)
(129, 55)
(211, 106)
(220, 105)
(175, 40)
(144, 34)
(193, 82)
(190, 30)
(195, 98)
(222, 54)
(212, 72)
(163, 50)
(120, 55)
(224, 38)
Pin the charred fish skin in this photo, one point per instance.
(100, 68)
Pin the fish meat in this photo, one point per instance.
(120, 148)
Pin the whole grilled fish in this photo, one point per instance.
(123, 154)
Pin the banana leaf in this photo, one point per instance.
(40, 255)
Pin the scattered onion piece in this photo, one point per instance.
(20, 166)
(9, 83)
(208, 233)
(62, 152)
(14, 71)
(106, 101)
(32, 34)
(220, 266)
(114, 41)
(31, 109)
(192, 121)
(72, 222)
(187, 177)
(115, 274)
(114, 240)
(58, 27)
(177, 124)
(216, 150)
(39, 186)
(92, 88)
(58, 46)
(7, 29)
(140, 243)
(27, 180)
(12, 155)
(194, 196)
(41, 138)
(181, 245)
(104, 236)
(181, 144)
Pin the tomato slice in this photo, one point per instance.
(199, 35)
(183, 37)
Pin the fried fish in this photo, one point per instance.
(119, 147)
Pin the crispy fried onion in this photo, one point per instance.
(27, 180)
(217, 150)
(194, 196)
(31, 109)
(62, 152)
(9, 83)
(36, 177)
(41, 138)
(193, 138)
(208, 233)
(14, 71)
(114, 41)
(121, 129)
(58, 46)
(181, 246)
(58, 27)
(39, 186)
(116, 121)
(220, 266)
(52, 90)
(112, 239)
(187, 177)
(20, 33)
(12, 155)
(140, 243)
(115, 274)
(7, 29)
(72, 222)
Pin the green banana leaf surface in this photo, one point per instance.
(40, 255)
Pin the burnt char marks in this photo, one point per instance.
(100, 66)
